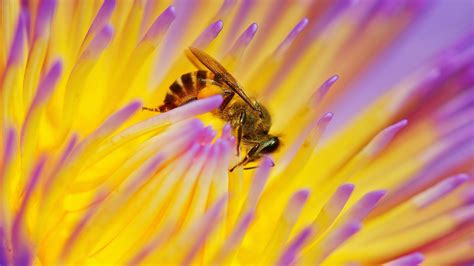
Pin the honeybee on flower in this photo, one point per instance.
(87, 178)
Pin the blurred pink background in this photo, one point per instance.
(442, 24)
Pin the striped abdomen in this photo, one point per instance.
(186, 89)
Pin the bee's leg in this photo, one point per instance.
(255, 153)
(251, 155)
(228, 95)
(150, 109)
(244, 161)
(241, 121)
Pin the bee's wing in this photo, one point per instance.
(215, 67)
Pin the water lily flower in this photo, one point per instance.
(86, 177)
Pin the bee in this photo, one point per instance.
(250, 120)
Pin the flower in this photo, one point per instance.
(87, 178)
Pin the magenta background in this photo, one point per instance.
(445, 22)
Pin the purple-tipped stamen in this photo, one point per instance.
(224, 10)
(107, 128)
(334, 206)
(310, 136)
(187, 111)
(8, 153)
(234, 239)
(259, 180)
(318, 96)
(290, 254)
(295, 204)
(208, 35)
(44, 17)
(18, 44)
(241, 15)
(242, 42)
(18, 222)
(60, 164)
(383, 138)
(364, 206)
(286, 43)
(99, 43)
(79, 227)
(44, 92)
(143, 173)
(440, 190)
(208, 224)
(160, 26)
(336, 238)
(102, 17)
(413, 259)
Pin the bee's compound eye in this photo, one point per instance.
(271, 145)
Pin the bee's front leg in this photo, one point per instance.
(251, 155)
(240, 120)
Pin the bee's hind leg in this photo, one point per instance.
(162, 109)
(150, 109)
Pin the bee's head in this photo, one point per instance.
(270, 145)
(267, 144)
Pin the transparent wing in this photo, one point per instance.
(220, 72)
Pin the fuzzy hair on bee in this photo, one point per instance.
(249, 119)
